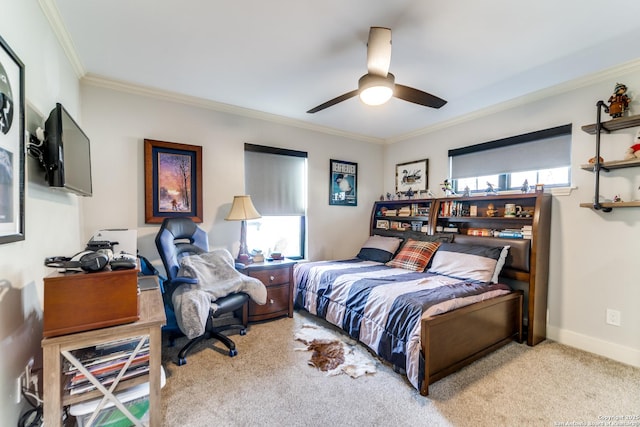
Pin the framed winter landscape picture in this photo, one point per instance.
(412, 176)
(173, 181)
(12, 136)
(343, 183)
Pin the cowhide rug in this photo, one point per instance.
(333, 353)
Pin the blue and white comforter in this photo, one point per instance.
(382, 306)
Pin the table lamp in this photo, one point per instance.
(242, 209)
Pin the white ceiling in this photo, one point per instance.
(283, 57)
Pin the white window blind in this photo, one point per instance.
(276, 180)
(545, 149)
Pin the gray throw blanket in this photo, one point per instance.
(217, 277)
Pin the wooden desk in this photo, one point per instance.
(152, 317)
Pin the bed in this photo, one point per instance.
(427, 305)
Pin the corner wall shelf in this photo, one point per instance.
(606, 127)
(610, 205)
(614, 124)
(614, 164)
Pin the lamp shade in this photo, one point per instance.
(242, 209)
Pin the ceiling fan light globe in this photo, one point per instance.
(376, 95)
(376, 90)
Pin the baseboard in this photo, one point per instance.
(600, 347)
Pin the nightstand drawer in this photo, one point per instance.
(277, 302)
(275, 276)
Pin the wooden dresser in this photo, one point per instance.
(277, 276)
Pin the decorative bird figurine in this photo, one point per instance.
(525, 186)
(490, 189)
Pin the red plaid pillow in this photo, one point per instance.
(414, 255)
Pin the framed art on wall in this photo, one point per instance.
(343, 183)
(412, 175)
(172, 181)
(11, 145)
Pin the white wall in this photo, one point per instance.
(593, 259)
(51, 219)
(593, 265)
(118, 122)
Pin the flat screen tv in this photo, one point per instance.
(67, 154)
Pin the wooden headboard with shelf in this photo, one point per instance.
(528, 259)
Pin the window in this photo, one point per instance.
(276, 179)
(542, 157)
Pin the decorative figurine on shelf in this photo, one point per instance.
(491, 210)
(617, 199)
(381, 198)
(593, 160)
(389, 196)
(633, 151)
(409, 193)
(619, 101)
(467, 191)
(447, 188)
(525, 186)
(490, 189)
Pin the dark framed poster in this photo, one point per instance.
(11, 145)
(173, 181)
(343, 184)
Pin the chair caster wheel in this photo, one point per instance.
(243, 331)
(182, 361)
(233, 352)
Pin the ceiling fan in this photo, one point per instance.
(378, 85)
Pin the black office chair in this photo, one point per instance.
(179, 237)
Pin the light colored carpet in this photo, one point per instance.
(270, 384)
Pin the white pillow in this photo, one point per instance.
(468, 261)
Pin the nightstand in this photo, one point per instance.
(277, 276)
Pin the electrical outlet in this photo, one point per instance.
(18, 389)
(613, 317)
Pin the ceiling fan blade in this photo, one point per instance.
(417, 96)
(379, 51)
(334, 101)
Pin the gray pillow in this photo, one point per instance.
(379, 248)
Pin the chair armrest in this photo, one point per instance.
(170, 285)
(184, 280)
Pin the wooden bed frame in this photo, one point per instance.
(453, 340)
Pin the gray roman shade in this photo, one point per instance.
(545, 149)
(276, 180)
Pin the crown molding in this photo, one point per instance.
(100, 81)
(607, 74)
(52, 14)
